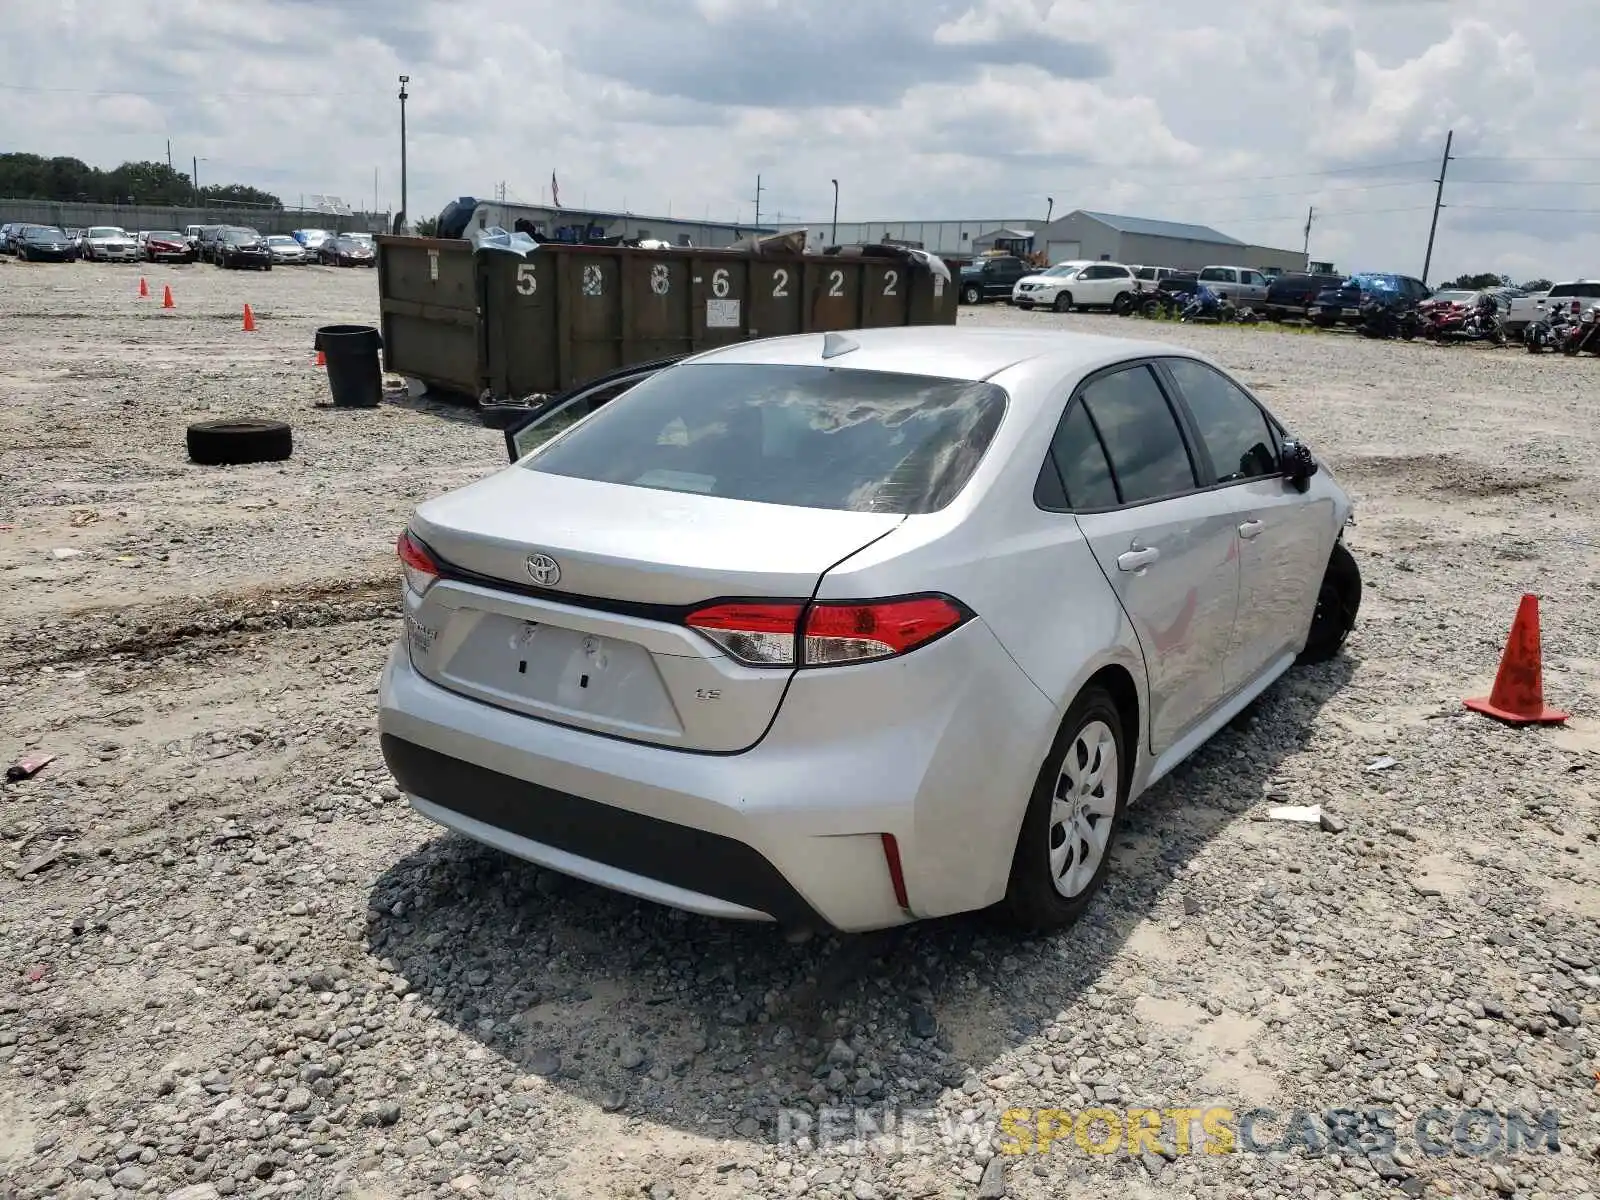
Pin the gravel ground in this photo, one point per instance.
(235, 963)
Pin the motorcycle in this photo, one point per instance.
(1584, 335)
(1549, 332)
(1480, 323)
(1395, 318)
(1206, 305)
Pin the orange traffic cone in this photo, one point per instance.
(249, 320)
(166, 296)
(144, 289)
(1518, 694)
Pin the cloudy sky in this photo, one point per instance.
(1235, 115)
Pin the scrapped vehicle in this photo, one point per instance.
(1583, 335)
(209, 240)
(242, 248)
(285, 250)
(1293, 295)
(43, 243)
(1343, 304)
(311, 239)
(1242, 286)
(107, 243)
(847, 630)
(168, 245)
(346, 251)
(991, 278)
(1549, 329)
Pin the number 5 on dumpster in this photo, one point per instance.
(527, 282)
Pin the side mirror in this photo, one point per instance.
(1298, 464)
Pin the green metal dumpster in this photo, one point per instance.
(563, 314)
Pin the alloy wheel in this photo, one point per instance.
(1083, 808)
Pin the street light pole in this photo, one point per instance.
(835, 235)
(195, 164)
(404, 215)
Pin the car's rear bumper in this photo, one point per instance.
(937, 754)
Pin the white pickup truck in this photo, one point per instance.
(1526, 309)
(1242, 285)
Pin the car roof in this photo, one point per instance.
(943, 352)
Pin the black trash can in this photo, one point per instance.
(354, 374)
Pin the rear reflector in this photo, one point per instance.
(834, 633)
(420, 569)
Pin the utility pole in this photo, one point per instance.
(1305, 247)
(1438, 203)
(404, 214)
(834, 237)
(757, 221)
(196, 177)
(169, 154)
(1049, 208)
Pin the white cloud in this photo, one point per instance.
(1236, 116)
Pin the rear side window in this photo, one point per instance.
(1076, 474)
(1587, 291)
(812, 437)
(1231, 425)
(1140, 435)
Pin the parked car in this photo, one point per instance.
(1148, 277)
(1575, 296)
(168, 245)
(1240, 285)
(712, 647)
(243, 248)
(346, 251)
(1079, 285)
(108, 243)
(285, 250)
(1293, 295)
(45, 243)
(209, 239)
(991, 278)
(191, 234)
(1343, 304)
(5, 236)
(311, 239)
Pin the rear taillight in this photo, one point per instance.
(759, 635)
(420, 568)
(826, 633)
(1575, 307)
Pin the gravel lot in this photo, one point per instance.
(235, 963)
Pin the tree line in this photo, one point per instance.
(33, 177)
(1488, 279)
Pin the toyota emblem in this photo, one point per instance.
(544, 570)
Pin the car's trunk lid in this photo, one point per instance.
(564, 599)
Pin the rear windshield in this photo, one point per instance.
(1587, 290)
(812, 437)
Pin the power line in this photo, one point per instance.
(1322, 214)
(1529, 158)
(1517, 208)
(187, 92)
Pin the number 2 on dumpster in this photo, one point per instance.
(527, 282)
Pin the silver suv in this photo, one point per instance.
(853, 629)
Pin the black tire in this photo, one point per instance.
(971, 295)
(236, 442)
(1063, 302)
(1032, 902)
(1338, 602)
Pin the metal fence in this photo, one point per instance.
(77, 215)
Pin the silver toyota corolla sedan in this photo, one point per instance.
(850, 630)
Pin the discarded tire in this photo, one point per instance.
(234, 443)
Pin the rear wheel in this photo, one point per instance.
(1064, 847)
(970, 295)
(1063, 302)
(1338, 602)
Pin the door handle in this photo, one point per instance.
(1251, 529)
(1138, 558)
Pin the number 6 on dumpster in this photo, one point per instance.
(720, 283)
